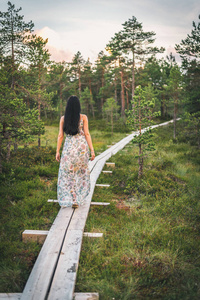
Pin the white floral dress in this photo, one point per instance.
(74, 175)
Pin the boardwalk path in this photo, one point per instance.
(54, 273)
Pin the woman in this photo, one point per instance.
(74, 175)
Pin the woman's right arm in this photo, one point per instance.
(60, 138)
(88, 136)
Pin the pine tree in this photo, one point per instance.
(77, 66)
(87, 101)
(38, 56)
(189, 50)
(17, 122)
(111, 108)
(115, 48)
(13, 31)
(139, 117)
(133, 39)
(175, 90)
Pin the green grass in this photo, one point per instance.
(150, 251)
(27, 182)
(100, 138)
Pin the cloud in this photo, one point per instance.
(55, 45)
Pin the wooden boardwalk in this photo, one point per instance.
(53, 276)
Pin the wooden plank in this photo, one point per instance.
(35, 235)
(63, 283)
(92, 203)
(93, 234)
(110, 164)
(40, 278)
(76, 296)
(103, 185)
(107, 172)
(100, 203)
(52, 200)
(86, 296)
(10, 296)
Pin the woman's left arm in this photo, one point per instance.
(60, 138)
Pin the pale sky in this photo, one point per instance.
(88, 25)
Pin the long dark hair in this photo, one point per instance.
(72, 116)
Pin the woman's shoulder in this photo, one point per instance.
(83, 117)
(62, 119)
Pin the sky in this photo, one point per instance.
(88, 25)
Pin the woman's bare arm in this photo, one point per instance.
(60, 138)
(88, 136)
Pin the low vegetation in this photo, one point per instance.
(28, 180)
(150, 248)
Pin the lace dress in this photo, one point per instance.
(74, 175)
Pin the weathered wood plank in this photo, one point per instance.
(40, 278)
(76, 296)
(100, 203)
(63, 283)
(86, 296)
(93, 234)
(102, 185)
(92, 203)
(107, 172)
(110, 164)
(52, 200)
(10, 296)
(35, 235)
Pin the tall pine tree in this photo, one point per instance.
(13, 31)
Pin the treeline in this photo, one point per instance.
(35, 88)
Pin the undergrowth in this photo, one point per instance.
(28, 180)
(150, 247)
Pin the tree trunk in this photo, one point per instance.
(39, 142)
(140, 162)
(102, 85)
(13, 61)
(175, 108)
(15, 146)
(133, 75)
(92, 106)
(162, 108)
(140, 159)
(127, 101)
(112, 121)
(8, 148)
(79, 81)
(122, 93)
(87, 108)
(0, 163)
(61, 106)
(39, 105)
(115, 83)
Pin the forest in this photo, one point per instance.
(128, 88)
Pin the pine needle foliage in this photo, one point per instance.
(139, 117)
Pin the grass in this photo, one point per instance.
(150, 248)
(100, 137)
(27, 182)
